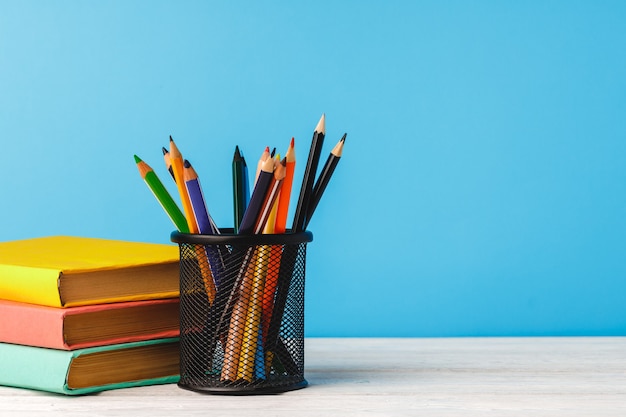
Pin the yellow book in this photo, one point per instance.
(66, 271)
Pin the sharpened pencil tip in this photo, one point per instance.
(321, 125)
(164, 150)
(292, 144)
(343, 138)
(186, 164)
(171, 140)
(137, 159)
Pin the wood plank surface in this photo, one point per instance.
(548, 376)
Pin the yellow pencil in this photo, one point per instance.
(249, 348)
(234, 340)
(176, 159)
(178, 169)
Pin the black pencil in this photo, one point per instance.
(259, 193)
(239, 188)
(324, 178)
(309, 176)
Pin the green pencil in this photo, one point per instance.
(161, 194)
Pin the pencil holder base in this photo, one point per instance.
(242, 390)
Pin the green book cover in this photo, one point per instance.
(92, 369)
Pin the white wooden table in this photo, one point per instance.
(394, 377)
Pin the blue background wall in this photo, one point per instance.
(483, 185)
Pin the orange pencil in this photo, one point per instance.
(285, 191)
(176, 159)
(279, 227)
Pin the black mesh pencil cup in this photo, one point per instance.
(242, 312)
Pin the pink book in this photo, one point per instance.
(86, 326)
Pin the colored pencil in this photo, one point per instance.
(240, 299)
(267, 301)
(263, 184)
(208, 258)
(162, 195)
(178, 168)
(240, 202)
(259, 164)
(227, 304)
(251, 274)
(324, 177)
(279, 227)
(168, 162)
(252, 326)
(176, 158)
(272, 348)
(285, 191)
(309, 176)
(252, 318)
(247, 179)
(197, 200)
(271, 196)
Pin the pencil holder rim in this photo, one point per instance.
(228, 237)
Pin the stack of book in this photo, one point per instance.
(81, 315)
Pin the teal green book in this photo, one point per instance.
(89, 370)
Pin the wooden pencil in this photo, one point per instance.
(231, 297)
(168, 162)
(280, 225)
(259, 164)
(237, 320)
(239, 173)
(324, 177)
(197, 200)
(208, 258)
(263, 183)
(271, 196)
(309, 176)
(176, 159)
(162, 195)
(285, 191)
(247, 359)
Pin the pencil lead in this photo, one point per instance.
(165, 151)
(186, 164)
(273, 152)
(292, 144)
(338, 149)
(137, 159)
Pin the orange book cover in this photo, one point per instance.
(87, 326)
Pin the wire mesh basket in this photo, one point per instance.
(242, 312)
